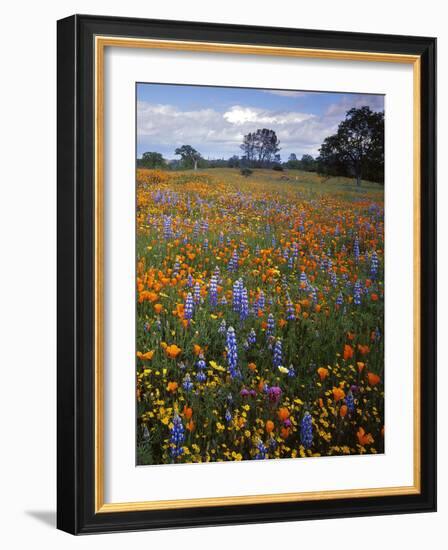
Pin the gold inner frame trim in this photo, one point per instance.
(101, 42)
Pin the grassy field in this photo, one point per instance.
(259, 316)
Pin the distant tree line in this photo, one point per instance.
(355, 150)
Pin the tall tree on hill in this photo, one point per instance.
(190, 157)
(249, 146)
(268, 145)
(357, 146)
(261, 147)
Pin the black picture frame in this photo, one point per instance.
(76, 264)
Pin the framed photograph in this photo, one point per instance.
(246, 274)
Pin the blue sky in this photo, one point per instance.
(215, 119)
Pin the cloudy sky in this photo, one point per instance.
(214, 120)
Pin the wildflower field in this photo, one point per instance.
(260, 307)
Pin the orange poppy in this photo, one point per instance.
(364, 350)
(147, 296)
(269, 426)
(172, 387)
(373, 379)
(197, 350)
(284, 433)
(145, 356)
(158, 308)
(348, 352)
(188, 412)
(338, 394)
(190, 426)
(363, 438)
(172, 351)
(252, 367)
(283, 413)
(323, 373)
(343, 410)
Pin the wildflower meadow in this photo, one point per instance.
(260, 307)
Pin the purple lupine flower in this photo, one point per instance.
(306, 431)
(278, 354)
(196, 230)
(213, 292)
(233, 263)
(232, 353)
(197, 293)
(290, 310)
(187, 384)
(295, 251)
(222, 327)
(167, 230)
(177, 436)
(374, 264)
(356, 249)
(261, 451)
(357, 294)
(244, 308)
(236, 295)
(176, 268)
(201, 366)
(252, 338)
(350, 402)
(188, 310)
(303, 279)
(333, 278)
(270, 326)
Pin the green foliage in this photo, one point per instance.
(151, 159)
(246, 172)
(357, 148)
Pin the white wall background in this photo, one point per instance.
(28, 267)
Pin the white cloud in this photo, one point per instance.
(242, 115)
(164, 127)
